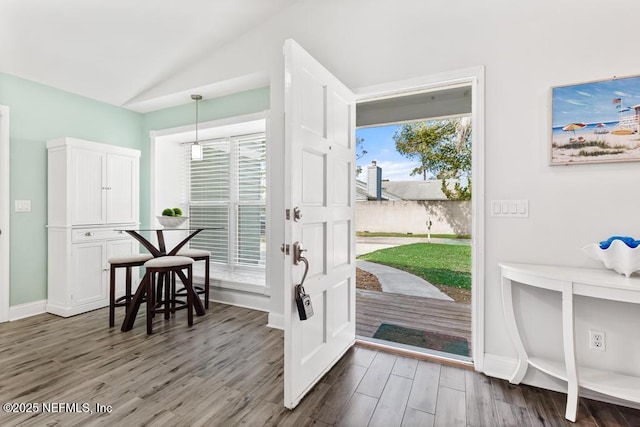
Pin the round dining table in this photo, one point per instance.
(157, 251)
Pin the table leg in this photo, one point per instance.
(569, 351)
(134, 305)
(197, 304)
(512, 329)
(179, 246)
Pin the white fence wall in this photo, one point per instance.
(447, 216)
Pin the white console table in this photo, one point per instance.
(570, 281)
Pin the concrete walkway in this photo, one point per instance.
(397, 281)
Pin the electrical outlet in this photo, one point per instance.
(597, 340)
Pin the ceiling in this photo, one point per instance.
(115, 50)
(447, 102)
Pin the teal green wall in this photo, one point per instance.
(39, 113)
(237, 104)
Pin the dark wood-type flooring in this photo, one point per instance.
(429, 314)
(227, 371)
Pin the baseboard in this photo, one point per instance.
(67, 311)
(499, 366)
(28, 309)
(276, 321)
(503, 367)
(249, 300)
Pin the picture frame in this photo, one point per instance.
(595, 122)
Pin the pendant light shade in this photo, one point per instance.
(196, 151)
(196, 148)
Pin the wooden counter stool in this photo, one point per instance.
(198, 255)
(165, 267)
(128, 262)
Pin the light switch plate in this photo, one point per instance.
(23, 205)
(510, 208)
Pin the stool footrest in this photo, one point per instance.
(177, 305)
(182, 292)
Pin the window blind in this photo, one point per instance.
(227, 197)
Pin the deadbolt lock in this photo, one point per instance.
(297, 214)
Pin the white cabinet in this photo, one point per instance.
(92, 183)
(93, 191)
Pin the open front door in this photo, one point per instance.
(320, 197)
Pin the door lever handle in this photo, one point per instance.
(298, 258)
(297, 253)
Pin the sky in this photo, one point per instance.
(379, 145)
(593, 102)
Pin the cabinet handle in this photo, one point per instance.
(105, 269)
(88, 234)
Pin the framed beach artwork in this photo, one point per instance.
(596, 122)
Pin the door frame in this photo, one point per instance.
(5, 212)
(474, 78)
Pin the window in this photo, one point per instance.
(227, 196)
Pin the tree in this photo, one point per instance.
(360, 152)
(443, 148)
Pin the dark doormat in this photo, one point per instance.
(425, 339)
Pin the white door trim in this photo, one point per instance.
(474, 78)
(5, 212)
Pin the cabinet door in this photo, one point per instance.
(88, 279)
(120, 248)
(87, 176)
(122, 189)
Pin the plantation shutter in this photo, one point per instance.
(227, 198)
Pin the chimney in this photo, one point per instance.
(374, 181)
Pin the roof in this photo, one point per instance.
(415, 190)
(362, 194)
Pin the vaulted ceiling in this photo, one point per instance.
(116, 50)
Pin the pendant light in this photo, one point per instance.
(196, 148)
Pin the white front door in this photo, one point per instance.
(320, 177)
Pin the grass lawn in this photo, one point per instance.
(440, 264)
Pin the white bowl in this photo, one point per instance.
(618, 257)
(172, 221)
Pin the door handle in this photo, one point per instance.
(298, 258)
(297, 253)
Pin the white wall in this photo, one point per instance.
(527, 47)
(410, 216)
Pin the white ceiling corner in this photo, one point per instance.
(117, 51)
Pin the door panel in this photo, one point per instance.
(314, 236)
(122, 197)
(89, 278)
(88, 206)
(320, 158)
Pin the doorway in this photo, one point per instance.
(5, 212)
(455, 94)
